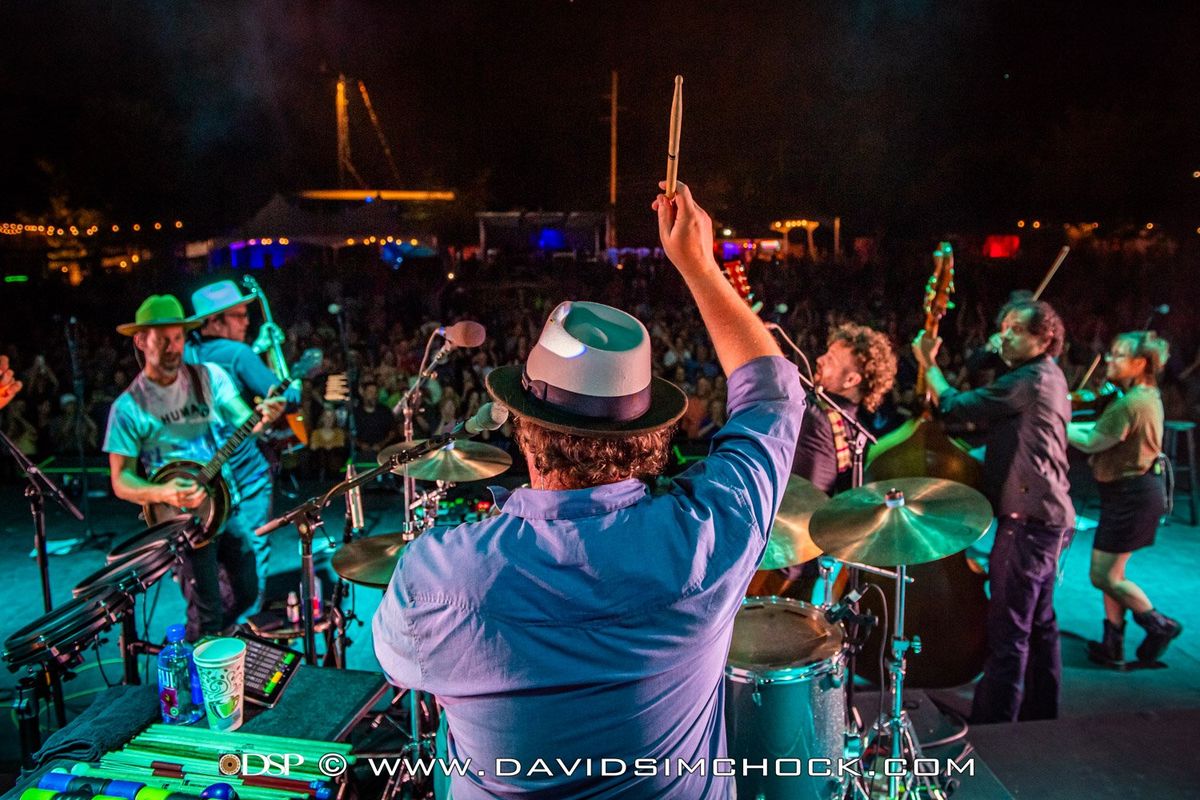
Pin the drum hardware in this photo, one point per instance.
(897, 524)
(50, 647)
(306, 517)
(39, 486)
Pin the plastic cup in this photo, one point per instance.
(221, 664)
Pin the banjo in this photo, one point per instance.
(214, 509)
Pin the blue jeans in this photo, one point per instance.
(1023, 671)
(252, 513)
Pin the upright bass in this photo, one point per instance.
(947, 605)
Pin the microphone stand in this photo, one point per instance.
(307, 519)
(77, 383)
(39, 486)
(858, 449)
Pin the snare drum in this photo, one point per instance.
(172, 533)
(784, 702)
(62, 633)
(133, 573)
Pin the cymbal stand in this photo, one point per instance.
(896, 726)
(307, 519)
(857, 440)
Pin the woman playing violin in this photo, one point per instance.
(1125, 443)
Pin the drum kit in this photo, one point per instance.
(53, 645)
(787, 678)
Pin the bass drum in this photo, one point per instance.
(784, 699)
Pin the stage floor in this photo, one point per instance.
(1120, 735)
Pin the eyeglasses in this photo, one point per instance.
(237, 314)
(1115, 356)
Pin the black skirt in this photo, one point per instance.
(1129, 513)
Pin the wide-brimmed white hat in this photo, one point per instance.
(589, 374)
(217, 297)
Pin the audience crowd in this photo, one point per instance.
(390, 323)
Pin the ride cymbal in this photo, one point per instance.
(371, 561)
(460, 461)
(901, 521)
(790, 543)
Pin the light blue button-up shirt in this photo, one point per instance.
(594, 623)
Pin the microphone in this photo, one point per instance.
(464, 334)
(354, 506)
(460, 334)
(334, 309)
(489, 417)
(1156, 311)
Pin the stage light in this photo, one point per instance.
(1020, 223)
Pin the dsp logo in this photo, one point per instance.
(249, 763)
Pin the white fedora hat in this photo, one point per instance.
(589, 374)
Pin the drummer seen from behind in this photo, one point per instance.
(171, 411)
(591, 617)
(1025, 412)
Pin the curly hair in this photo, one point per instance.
(1044, 321)
(1148, 345)
(578, 462)
(876, 360)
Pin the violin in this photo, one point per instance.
(1089, 404)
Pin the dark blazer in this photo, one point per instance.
(1025, 413)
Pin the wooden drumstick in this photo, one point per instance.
(1062, 254)
(673, 141)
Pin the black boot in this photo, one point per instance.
(1111, 651)
(1160, 630)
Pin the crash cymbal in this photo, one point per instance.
(370, 561)
(927, 519)
(460, 461)
(789, 542)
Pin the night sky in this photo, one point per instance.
(892, 113)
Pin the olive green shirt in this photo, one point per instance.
(1136, 420)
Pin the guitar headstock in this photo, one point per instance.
(941, 284)
(251, 285)
(735, 272)
(308, 364)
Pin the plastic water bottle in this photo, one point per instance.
(178, 682)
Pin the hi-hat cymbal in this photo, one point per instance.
(789, 542)
(929, 519)
(371, 561)
(460, 461)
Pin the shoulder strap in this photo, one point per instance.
(199, 382)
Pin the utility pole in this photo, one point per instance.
(343, 131)
(610, 238)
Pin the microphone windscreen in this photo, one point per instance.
(466, 334)
(335, 309)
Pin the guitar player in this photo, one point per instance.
(221, 309)
(173, 411)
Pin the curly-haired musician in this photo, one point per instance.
(1125, 443)
(591, 618)
(856, 370)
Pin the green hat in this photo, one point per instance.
(158, 311)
